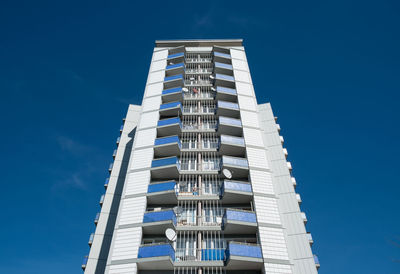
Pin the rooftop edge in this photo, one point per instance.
(200, 43)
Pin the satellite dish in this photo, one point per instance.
(227, 173)
(170, 234)
(212, 77)
(178, 210)
(185, 89)
(213, 89)
(191, 78)
(171, 63)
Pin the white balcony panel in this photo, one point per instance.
(161, 54)
(273, 243)
(277, 268)
(244, 89)
(123, 269)
(253, 136)
(247, 103)
(240, 64)
(158, 65)
(155, 77)
(145, 137)
(238, 54)
(126, 243)
(132, 210)
(257, 158)
(152, 103)
(137, 182)
(141, 158)
(261, 182)
(154, 89)
(148, 119)
(249, 119)
(242, 76)
(267, 210)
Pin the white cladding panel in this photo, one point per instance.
(277, 268)
(142, 158)
(145, 137)
(267, 210)
(240, 65)
(148, 119)
(261, 182)
(137, 182)
(242, 76)
(257, 158)
(249, 119)
(238, 54)
(126, 244)
(305, 266)
(132, 210)
(247, 103)
(158, 65)
(154, 89)
(152, 103)
(155, 77)
(244, 89)
(299, 246)
(273, 243)
(253, 137)
(158, 55)
(123, 269)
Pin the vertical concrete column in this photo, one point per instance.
(199, 245)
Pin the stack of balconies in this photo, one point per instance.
(199, 134)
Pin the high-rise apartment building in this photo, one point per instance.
(200, 182)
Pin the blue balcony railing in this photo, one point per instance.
(159, 216)
(235, 186)
(235, 161)
(174, 77)
(167, 140)
(239, 216)
(225, 104)
(169, 121)
(84, 262)
(220, 54)
(170, 105)
(243, 250)
(230, 121)
(180, 65)
(165, 162)
(156, 250)
(226, 139)
(171, 90)
(224, 77)
(176, 55)
(164, 186)
(214, 254)
(316, 260)
(222, 65)
(227, 90)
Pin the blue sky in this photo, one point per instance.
(69, 69)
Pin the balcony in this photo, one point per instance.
(309, 237)
(168, 127)
(176, 57)
(224, 80)
(158, 256)
(228, 109)
(156, 222)
(236, 221)
(174, 69)
(230, 126)
(221, 57)
(304, 217)
(84, 262)
(316, 261)
(243, 256)
(232, 146)
(239, 167)
(227, 94)
(91, 238)
(236, 192)
(200, 257)
(172, 95)
(96, 219)
(173, 81)
(223, 68)
(165, 168)
(162, 193)
(167, 146)
(171, 109)
(106, 183)
(101, 200)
